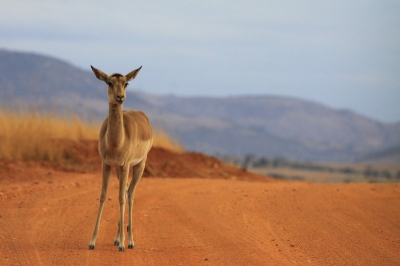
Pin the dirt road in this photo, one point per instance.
(49, 221)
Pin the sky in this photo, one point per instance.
(344, 54)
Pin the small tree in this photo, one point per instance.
(386, 174)
(279, 161)
(261, 162)
(398, 175)
(369, 172)
(249, 160)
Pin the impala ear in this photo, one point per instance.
(100, 74)
(131, 75)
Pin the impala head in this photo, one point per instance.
(116, 83)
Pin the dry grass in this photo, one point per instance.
(33, 135)
(163, 140)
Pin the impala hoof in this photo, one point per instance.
(91, 247)
(116, 243)
(121, 249)
(131, 246)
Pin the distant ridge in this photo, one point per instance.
(390, 155)
(263, 125)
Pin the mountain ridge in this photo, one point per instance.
(298, 146)
(236, 125)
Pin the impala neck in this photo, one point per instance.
(115, 129)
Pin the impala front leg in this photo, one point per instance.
(117, 236)
(106, 169)
(123, 179)
(116, 239)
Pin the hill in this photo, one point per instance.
(264, 125)
(270, 126)
(391, 154)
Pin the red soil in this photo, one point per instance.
(211, 215)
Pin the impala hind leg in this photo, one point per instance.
(136, 175)
(123, 179)
(106, 169)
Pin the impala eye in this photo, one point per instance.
(126, 84)
(110, 84)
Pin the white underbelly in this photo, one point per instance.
(135, 161)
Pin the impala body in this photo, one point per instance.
(125, 139)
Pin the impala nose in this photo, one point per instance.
(120, 98)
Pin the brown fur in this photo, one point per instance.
(125, 139)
